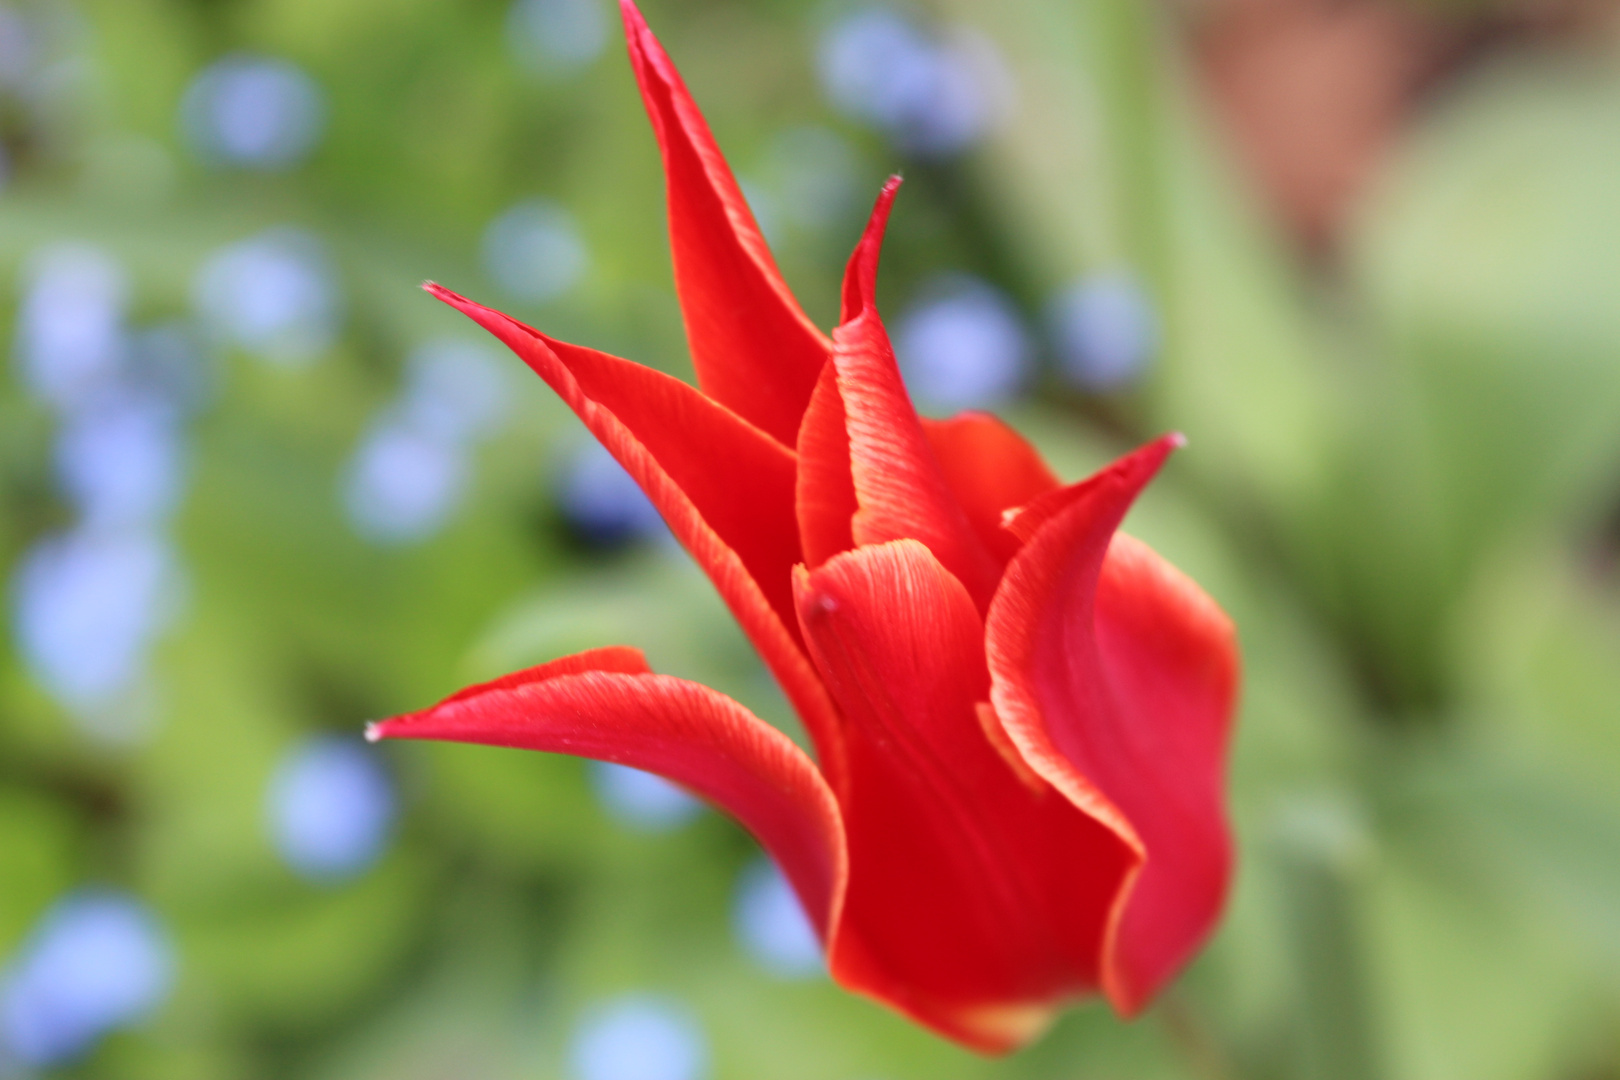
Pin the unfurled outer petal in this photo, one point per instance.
(1115, 677)
(726, 488)
(990, 469)
(754, 349)
(978, 896)
(680, 730)
(900, 490)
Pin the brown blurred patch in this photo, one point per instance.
(1314, 92)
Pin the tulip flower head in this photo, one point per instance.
(1019, 714)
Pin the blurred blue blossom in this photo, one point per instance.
(1105, 330)
(534, 251)
(17, 48)
(330, 807)
(410, 470)
(274, 294)
(602, 503)
(98, 960)
(638, 1037)
(556, 36)
(120, 461)
(932, 96)
(640, 799)
(87, 603)
(456, 390)
(87, 606)
(962, 346)
(254, 112)
(403, 483)
(771, 924)
(70, 329)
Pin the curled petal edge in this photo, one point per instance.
(1066, 534)
(678, 729)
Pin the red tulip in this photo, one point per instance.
(1019, 714)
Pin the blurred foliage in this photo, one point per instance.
(1403, 482)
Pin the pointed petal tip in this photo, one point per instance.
(439, 292)
(647, 54)
(860, 276)
(635, 25)
(880, 210)
(374, 731)
(1177, 440)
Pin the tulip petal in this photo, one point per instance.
(685, 732)
(825, 494)
(978, 898)
(755, 350)
(725, 488)
(899, 486)
(991, 469)
(1115, 676)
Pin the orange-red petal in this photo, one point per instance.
(825, 494)
(991, 469)
(688, 733)
(900, 490)
(1115, 677)
(725, 487)
(978, 898)
(755, 350)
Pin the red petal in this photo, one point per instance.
(899, 486)
(1135, 468)
(755, 351)
(725, 487)
(978, 898)
(991, 470)
(1115, 677)
(680, 730)
(826, 491)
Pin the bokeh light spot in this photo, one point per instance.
(98, 960)
(120, 461)
(556, 37)
(932, 96)
(534, 251)
(87, 606)
(331, 808)
(641, 800)
(962, 346)
(403, 483)
(253, 112)
(771, 925)
(638, 1037)
(70, 329)
(602, 503)
(1105, 330)
(456, 390)
(274, 294)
